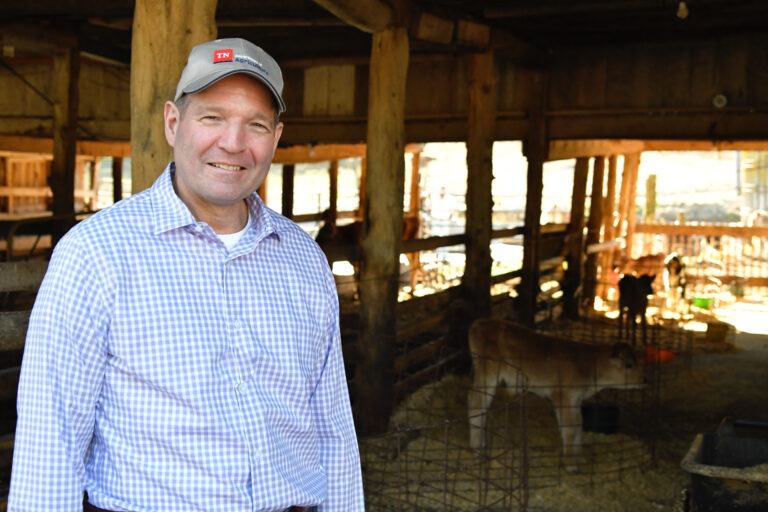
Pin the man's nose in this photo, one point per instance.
(232, 138)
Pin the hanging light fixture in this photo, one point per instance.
(682, 10)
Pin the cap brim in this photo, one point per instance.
(208, 80)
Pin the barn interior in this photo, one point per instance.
(373, 87)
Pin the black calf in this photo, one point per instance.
(633, 297)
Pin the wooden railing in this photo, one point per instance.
(733, 255)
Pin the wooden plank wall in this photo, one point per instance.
(104, 99)
(607, 92)
(650, 91)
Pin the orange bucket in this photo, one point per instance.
(658, 355)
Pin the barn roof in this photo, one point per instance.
(304, 29)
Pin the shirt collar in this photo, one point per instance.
(171, 213)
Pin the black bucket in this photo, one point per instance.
(727, 468)
(603, 419)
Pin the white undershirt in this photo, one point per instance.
(230, 239)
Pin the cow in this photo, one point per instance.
(674, 281)
(352, 233)
(564, 371)
(651, 264)
(332, 234)
(633, 302)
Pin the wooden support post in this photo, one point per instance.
(650, 210)
(382, 233)
(415, 202)
(650, 198)
(93, 193)
(289, 172)
(535, 148)
(117, 179)
(363, 175)
(158, 54)
(593, 229)
(575, 250)
(620, 228)
(631, 166)
(481, 123)
(333, 183)
(66, 72)
(609, 232)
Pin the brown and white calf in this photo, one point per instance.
(566, 372)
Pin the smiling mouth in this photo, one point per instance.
(227, 167)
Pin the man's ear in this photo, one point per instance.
(172, 117)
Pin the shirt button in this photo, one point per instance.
(237, 324)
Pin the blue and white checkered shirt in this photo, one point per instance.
(163, 373)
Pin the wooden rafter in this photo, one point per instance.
(576, 148)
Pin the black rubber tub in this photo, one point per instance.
(729, 468)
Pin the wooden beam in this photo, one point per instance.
(433, 28)
(471, 33)
(157, 57)
(117, 179)
(482, 116)
(367, 15)
(382, 233)
(289, 173)
(575, 241)
(37, 37)
(593, 229)
(602, 247)
(524, 10)
(415, 193)
(609, 214)
(325, 152)
(375, 15)
(705, 145)
(632, 165)
(333, 183)
(363, 187)
(536, 149)
(702, 229)
(44, 146)
(575, 148)
(66, 72)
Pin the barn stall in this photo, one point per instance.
(538, 73)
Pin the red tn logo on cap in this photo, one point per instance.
(222, 56)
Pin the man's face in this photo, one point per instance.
(223, 143)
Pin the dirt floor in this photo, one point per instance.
(636, 469)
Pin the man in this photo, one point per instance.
(184, 352)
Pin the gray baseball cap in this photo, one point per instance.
(212, 61)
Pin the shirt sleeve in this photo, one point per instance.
(61, 378)
(339, 452)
